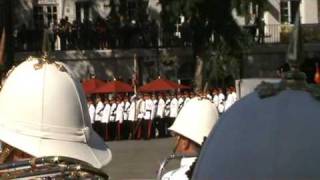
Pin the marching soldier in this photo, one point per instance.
(98, 117)
(208, 95)
(112, 120)
(40, 129)
(92, 110)
(126, 122)
(193, 124)
(147, 128)
(153, 115)
(132, 118)
(229, 101)
(221, 95)
(186, 97)
(215, 97)
(105, 118)
(160, 120)
(167, 114)
(140, 113)
(234, 94)
(180, 101)
(119, 117)
(174, 105)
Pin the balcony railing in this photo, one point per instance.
(31, 40)
(280, 33)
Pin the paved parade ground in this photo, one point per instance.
(137, 159)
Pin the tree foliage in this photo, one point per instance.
(207, 18)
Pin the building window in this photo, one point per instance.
(44, 15)
(288, 11)
(38, 16)
(51, 14)
(132, 8)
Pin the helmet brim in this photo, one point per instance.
(95, 152)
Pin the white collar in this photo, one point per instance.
(187, 161)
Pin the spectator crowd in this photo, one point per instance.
(98, 34)
(146, 116)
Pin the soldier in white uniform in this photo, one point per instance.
(160, 116)
(153, 115)
(234, 94)
(174, 106)
(112, 125)
(98, 117)
(208, 95)
(180, 101)
(119, 118)
(167, 114)
(132, 118)
(193, 124)
(147, 128)
(92, 110)
(229, 100)
(140, 111)
(51, 121)
(126, 122)
(186, 97)
(215, 97)
(221, 95)
(106, 117)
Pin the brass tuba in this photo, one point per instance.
(51, 167)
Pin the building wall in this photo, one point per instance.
(108, 64)
(272, 15)
(309, 11)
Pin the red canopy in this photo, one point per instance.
(162, 85)
(114, 87)
(90, 85)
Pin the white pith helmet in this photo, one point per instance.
(43, 112)
(196, 120)
(265, 138)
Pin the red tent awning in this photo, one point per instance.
(162, 85)
(114, 87)
(92, 84)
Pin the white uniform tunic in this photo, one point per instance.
(160, 108)
(209, 97)
(98, 113)
(221, 107)
(148, 109)
(180, 103)
(174, 105)
(113, 112)
(141, 108)
(106, 113)
(234, 96)
(186, 100)
(228, 103)
(119, 112)
(216, 100)
(132, 111)
(221, 97)
(180, 174)
(126, 111)
(167, 108)
(154, 109)
(92, 111)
